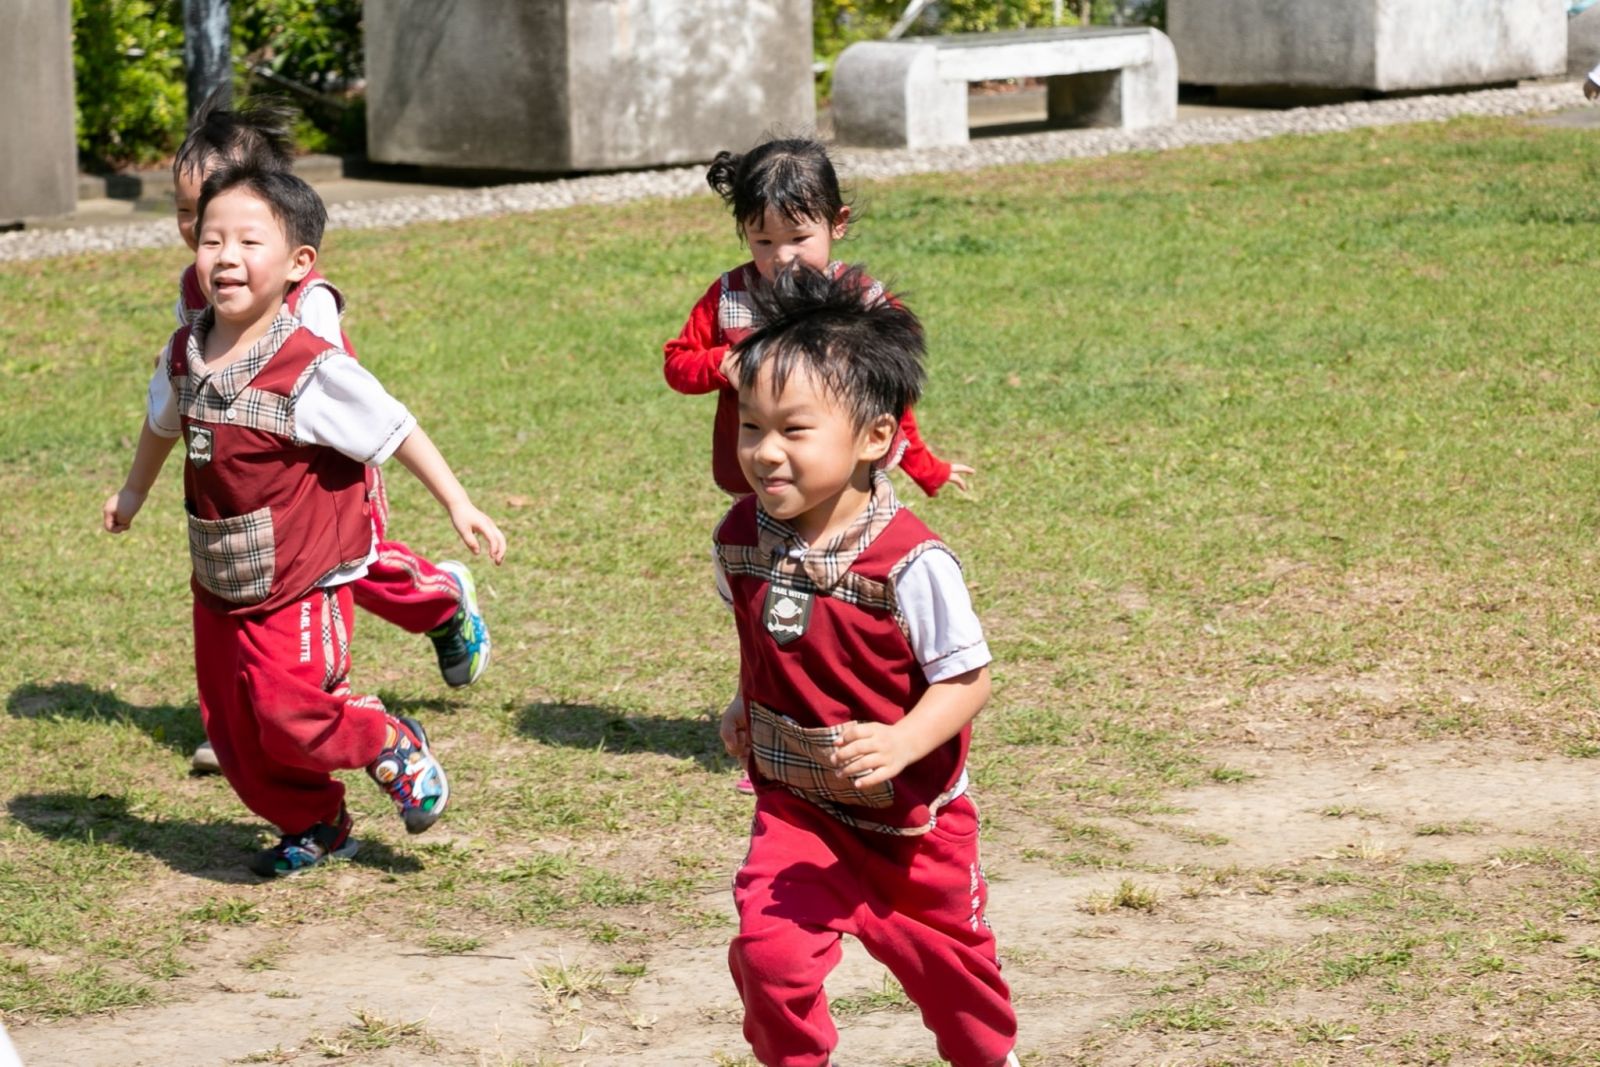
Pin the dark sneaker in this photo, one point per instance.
(462, 644)
(411, 776)
(204, 760)
(296, 852)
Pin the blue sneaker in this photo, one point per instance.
(410, 775)
(462, 644)
(296, 852)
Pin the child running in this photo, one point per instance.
(401, 586)
(279, 428)
(786, 202)
(862, 666)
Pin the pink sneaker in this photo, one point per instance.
(745, 785)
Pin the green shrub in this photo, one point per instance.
(128, 62)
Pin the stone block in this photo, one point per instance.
(1583, 42)
(38, 141)
(571, 85)
(1381, 45)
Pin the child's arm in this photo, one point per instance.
(120, 507)
(922, 466)
(695, 363)
(873, 752)
(420, 456)
(1591, 84)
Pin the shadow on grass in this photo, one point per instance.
(177, 726)
(592, 727)
(212, 850)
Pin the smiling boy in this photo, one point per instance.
(278, 425)
(862, 666)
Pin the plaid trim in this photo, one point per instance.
(781, 555)
(234, 557)
(226, 396)
(848, 819)
(797, 756)
(735, 309)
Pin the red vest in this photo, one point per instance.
(268, 517)
(849, 660)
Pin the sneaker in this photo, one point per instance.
(462, 643)
(745, 785)
(296, 852)
(204, 760)
(407, 770)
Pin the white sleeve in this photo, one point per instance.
(319, 313)
(1594, 75)
(178, 310)
(343, 407)
(946, 636)
(160, 405)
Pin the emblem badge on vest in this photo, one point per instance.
(199, 446)
(788, 611)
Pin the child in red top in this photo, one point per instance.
(401, 586)
(279, 427)
(861, 668)
(786, 202)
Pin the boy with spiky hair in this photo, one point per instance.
(279, 427)
(862, 666)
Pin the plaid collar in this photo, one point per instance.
(231, 381)
(826, 564)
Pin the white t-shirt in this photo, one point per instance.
(945, 634)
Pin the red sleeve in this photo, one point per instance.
(693, 358)
(920, 464)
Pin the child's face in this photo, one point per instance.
(804, 457)
(186, 197)
(244, 257)
(775, 242)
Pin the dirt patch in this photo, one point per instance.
(1227, 876)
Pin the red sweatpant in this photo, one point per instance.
(401, 587)
(278, 709)
(915, 903)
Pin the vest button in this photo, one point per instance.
(230, 414)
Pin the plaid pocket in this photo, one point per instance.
(797, 756)
(233, 558)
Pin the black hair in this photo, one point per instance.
(861, 346)
(260, 132)
(295, 205)
(793, 176)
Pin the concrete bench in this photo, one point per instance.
(913, 93)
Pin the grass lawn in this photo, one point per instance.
(1295, 437)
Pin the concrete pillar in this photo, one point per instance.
(207, 51)
(38, 142)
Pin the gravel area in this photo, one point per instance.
(854, 164)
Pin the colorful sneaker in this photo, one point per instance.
(204, 760)
(462, 643)
(412, 777)
(296, 852)
(745, 785)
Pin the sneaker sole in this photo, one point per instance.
(416, 819)
(469, 589)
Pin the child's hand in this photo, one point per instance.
(1591, 89)
(119, 509)
(958, 475)
(872, 752)
(469, 523)
(734, 730)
